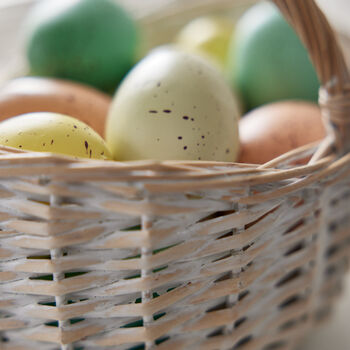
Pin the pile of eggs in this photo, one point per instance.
(219, 92)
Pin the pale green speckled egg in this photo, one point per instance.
(175, 106)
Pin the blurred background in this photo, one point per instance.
(163, 14)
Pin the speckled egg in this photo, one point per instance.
(54, 133)
(173, 105)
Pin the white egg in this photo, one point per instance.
(175, 106)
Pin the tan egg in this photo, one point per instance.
(271, 130)
(34, 94)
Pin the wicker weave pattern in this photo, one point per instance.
(179, 255)
(235, 262)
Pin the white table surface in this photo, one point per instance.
(334, 335)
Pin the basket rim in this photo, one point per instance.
(154, 178)
(11, 153)
(13, 161)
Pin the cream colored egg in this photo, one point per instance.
(54, 133)
(176, 106)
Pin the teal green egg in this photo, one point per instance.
(91, 41)
(267, 61)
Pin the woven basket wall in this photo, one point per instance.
(180, 255)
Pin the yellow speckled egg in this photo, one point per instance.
(54, 133)
(173, 105)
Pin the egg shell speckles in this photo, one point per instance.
(54, 133)
(173, 105)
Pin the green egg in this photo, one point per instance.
(91, 41)
(267, 61)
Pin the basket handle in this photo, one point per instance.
(317, 35)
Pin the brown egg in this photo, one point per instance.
(271, 130)
(33, 94)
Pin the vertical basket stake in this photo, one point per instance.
(146, 223)
(58, 276)
(321, 244)
(233, 298)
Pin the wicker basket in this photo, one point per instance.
(180, 255)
